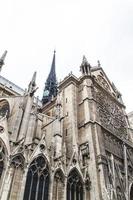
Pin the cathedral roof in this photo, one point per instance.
(11, 86)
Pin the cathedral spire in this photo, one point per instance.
(2, 60)
(50, 89)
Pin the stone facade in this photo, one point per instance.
(78, 146)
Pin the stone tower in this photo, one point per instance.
(75, 146)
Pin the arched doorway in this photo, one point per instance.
(74, 186)
(37, 182)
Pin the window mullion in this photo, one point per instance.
(37, 187)
(30, 187)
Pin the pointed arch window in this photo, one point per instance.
(74, 186)
(58, 186)
(37, 182)
(17, 166)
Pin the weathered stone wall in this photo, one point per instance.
(82, 133)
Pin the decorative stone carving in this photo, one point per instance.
(59, 176)
(107, 193)
(85, 149)
(1, 129)
(116, 176)
(17, 161)
(74, 160)
(103, 82)
(2, 158)
(101, 159)
(87, 182)
(85, 152)
(119, 194)
(112, 144)
(110, 114)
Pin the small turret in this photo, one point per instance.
(98, 63)
(85, 67)
(2, 60)
(50, 89)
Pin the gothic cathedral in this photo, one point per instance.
(74, 144)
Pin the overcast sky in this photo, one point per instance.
(100, 29)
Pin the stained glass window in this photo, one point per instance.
(37, 183)
(74, 186)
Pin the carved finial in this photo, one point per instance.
(33, 81)
(32, 85)
(84, 61)
(118, 94)
(2, 60)
(85, 67)
(99, 64)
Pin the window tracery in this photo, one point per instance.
(37, 183)
(58, 186)
(17, 164)
(103, 82)
(110, 114)
(74, 186)
(17, 161)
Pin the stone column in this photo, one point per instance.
(23, 184)
(51, 186)
(4, 179)
(7, 184)
(57, 138)
(65, 188)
